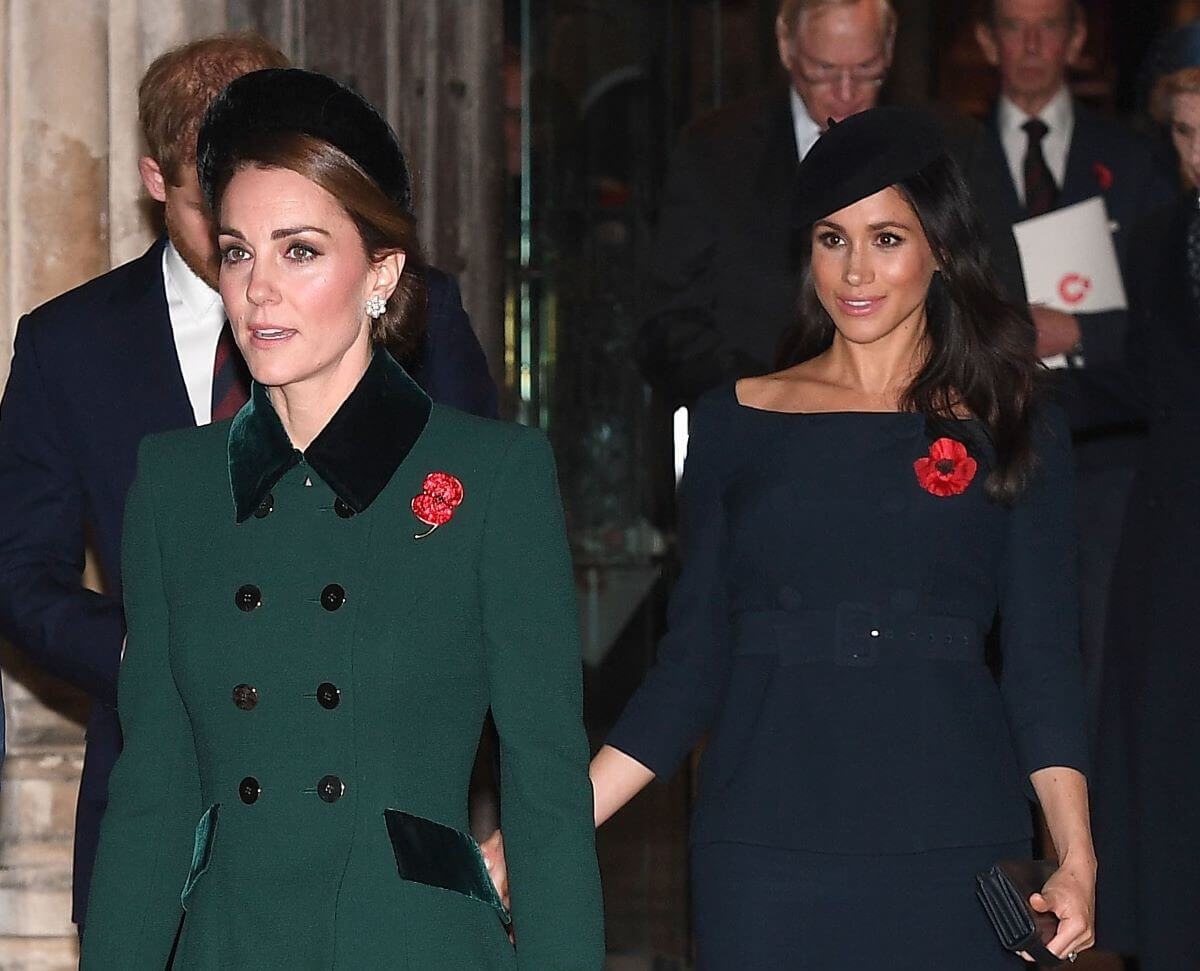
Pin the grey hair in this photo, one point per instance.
(790, 11)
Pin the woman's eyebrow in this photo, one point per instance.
(296, 230)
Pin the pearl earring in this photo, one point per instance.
(375, 305)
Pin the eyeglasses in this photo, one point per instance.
(827, 75)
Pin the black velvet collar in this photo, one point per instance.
(355, 454)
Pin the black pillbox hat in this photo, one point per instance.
(862, 155)
(292, 100)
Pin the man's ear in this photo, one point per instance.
(986, 40)
(153, 178)
(1078, 39)
(783, 38)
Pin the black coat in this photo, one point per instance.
(1146, 790)
(95, 371)
(722, 282)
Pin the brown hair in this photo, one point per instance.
(385, 228)
(790, 11)
(178, 86)
(1183, 81)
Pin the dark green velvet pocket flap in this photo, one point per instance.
(441, 856)
(206, 832)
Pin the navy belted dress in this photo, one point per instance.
(828, 636)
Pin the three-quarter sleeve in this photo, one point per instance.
(531, 625)
(678, 701)
(1041, 679)
(154, 791)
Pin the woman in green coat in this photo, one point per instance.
(324, 598)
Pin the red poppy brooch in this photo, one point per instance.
(1104, 176)
(441, 494)
(947, 470)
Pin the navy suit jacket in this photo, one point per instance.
(1105, 158)
(95, 371)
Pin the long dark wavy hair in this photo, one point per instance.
(981, 354)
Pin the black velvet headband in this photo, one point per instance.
(862, 155)
(291, 100)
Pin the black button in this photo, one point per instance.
(330, 788)
(333, 596)
(248, 790)
(342, 508)
(248, 598)
(245, 696)
(265, 507)
(328, 695)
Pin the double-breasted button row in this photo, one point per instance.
(329, 696)
(267, 506)
(248, 597)
(330, 789)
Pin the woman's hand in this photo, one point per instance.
(1071, 894)
(493, 856)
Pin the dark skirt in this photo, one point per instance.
(771, 909)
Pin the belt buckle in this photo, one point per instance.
(857, 635)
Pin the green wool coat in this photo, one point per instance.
(304, 688)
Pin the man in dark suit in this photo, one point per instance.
(1057, 153)
(141, 349)
(722, 283)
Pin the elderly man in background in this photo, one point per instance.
(723, 276)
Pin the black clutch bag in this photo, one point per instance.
(1004, 891)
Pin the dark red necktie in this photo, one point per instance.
(231, 379)
(1041, 192)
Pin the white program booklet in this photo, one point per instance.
(1069, 260)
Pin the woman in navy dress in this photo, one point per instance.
(855, 526)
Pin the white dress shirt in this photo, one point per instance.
(1058, 116)
(197, 317)
(807, 130)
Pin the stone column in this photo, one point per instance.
(69, 210)
(444, 98)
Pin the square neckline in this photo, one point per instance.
(810, 414)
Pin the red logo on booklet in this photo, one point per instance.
(1074, 287)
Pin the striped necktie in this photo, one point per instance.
(231, 378)
(1041, 192)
